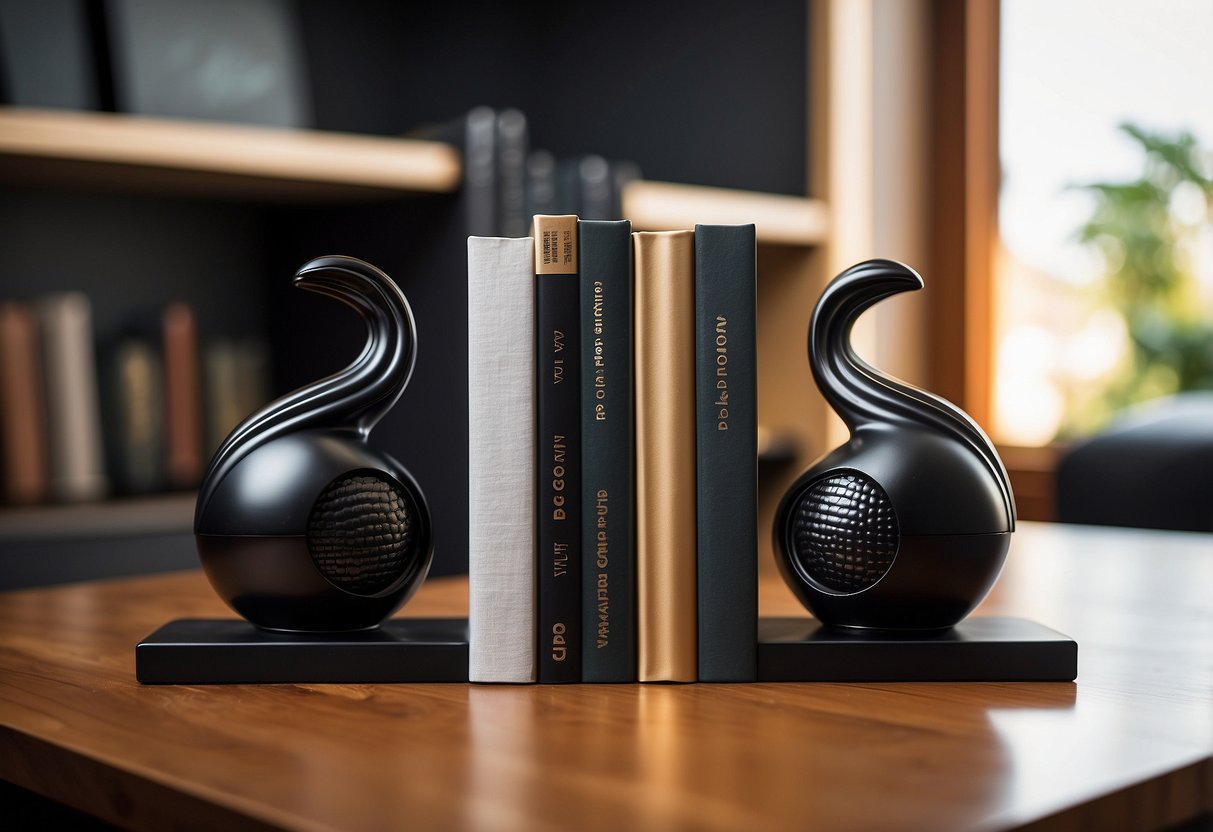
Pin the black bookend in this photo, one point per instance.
(975, 650)
(302, 525)
(311, 533)
(891, 539)
(224, 652)
(907, 524)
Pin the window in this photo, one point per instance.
(1084, 327)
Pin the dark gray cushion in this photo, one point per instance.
(1153, 467)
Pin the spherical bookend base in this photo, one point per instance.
(932, 582)
(274, 583)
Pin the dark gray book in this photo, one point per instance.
(608, 568)
(558, 450)
(726, 435)
(512, 148)
(540, 183)
(132, 382)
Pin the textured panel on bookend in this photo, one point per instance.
(218, 652)
(975, 650)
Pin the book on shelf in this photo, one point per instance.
(474, 135)
(234, 372)
(182, 397)
(592, 186)
(608, 614)
(541, 183)
(558, 448)
(89, 415)
(22, 407)
(664, 344)
(513, 219)
(133, 383)
(77, 465)
(501, 460)
(494, 146)
(583, 187)
(726, 426)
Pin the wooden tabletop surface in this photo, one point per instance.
(1128, 746)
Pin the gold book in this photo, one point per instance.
(665, 456)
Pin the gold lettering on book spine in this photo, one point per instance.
(602, 562)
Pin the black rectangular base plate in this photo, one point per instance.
(215, 652)
(975, 650)
(218, 652)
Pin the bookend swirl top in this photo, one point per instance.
(907, 524)
(300, 523)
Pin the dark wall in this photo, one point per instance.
(709, 93)
(133, 254)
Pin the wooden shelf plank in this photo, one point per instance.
(779, 219)
(174, 156)
(156, 514)
(230, 159)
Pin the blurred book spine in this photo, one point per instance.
(182, 405)
(133, 389)
(77, 464)
(22, 407)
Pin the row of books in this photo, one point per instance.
(506, 181)
(612, 454)
(136, 414)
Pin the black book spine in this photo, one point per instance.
(608, 570)
(558, 446)
(726, 435)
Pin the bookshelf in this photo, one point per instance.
(268, 197)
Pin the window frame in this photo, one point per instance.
(965, 174)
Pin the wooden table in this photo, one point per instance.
(1126, 747)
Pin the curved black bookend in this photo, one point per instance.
(907, 525)
(301, 525)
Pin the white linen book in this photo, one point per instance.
(501, 459)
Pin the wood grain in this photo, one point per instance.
(224, 158)
(778, 219)
(1126, 747)
(964, 174)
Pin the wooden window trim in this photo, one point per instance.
(964, 197)
(963, 230)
